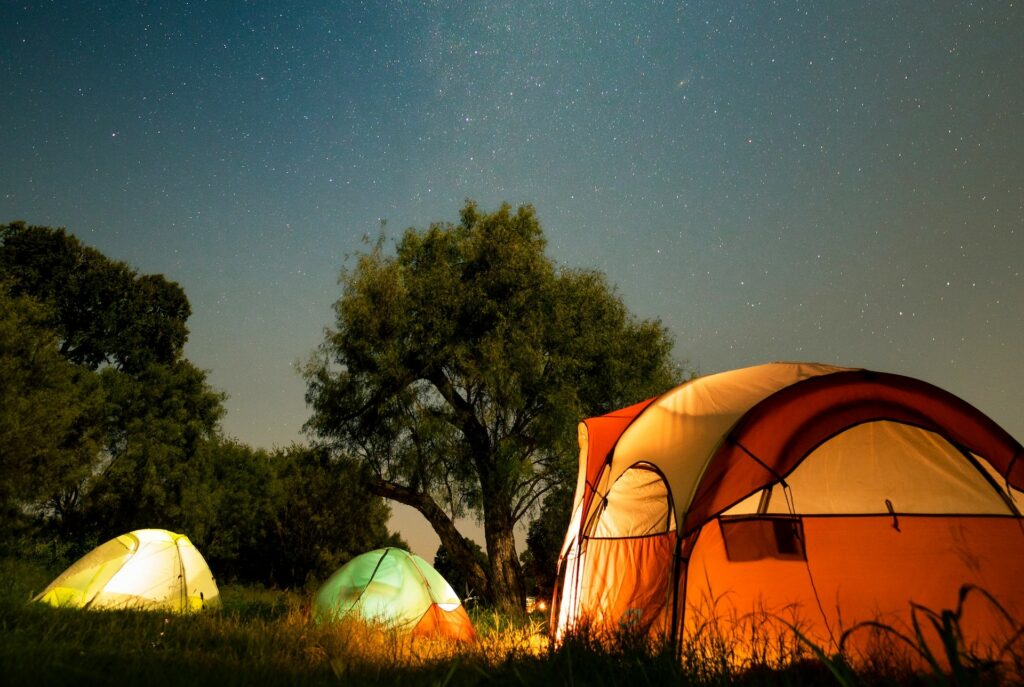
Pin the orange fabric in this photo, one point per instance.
(604, 431)
(628, 582)
(727, 595)
(439, 623)
(775, 435)
(864, 569)
(822, 573)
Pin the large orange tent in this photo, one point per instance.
(825, 496)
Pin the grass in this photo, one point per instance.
(265, 637)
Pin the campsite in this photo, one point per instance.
(263, 636)
(572, 342)
(945, 605)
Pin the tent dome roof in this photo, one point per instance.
(396, 588)
(144, 569)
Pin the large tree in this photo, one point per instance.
(119, 336)
(459, 366)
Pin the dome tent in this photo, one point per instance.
(144, 569)
(840, 495)
(398, 589)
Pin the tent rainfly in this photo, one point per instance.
(144, 569)
(397, 589)
(825, 496)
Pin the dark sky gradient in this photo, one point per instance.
(829, 181)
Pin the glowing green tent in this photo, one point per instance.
(398, 589)
(144, 569)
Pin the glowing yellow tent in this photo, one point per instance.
(144, 569)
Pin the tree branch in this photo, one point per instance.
(457, 545)
(530, 496)
(474, 432)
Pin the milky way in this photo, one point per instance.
(837, 182)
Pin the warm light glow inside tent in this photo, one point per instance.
(397, 589)
(144, 569)
(828, 495)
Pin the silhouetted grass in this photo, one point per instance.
(265, 637)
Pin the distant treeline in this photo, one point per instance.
(106, 427)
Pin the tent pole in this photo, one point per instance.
(674, 633)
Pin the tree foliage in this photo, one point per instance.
(102, 309)
(459, 366)
(106, 427)
(123, 334)
(289, 517)
(158, 420)
(50, 409)
(544, 541)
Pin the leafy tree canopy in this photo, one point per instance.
(102, 309)
(106, 428)
(157, 422)
(50, 409)
(114, 338)
(459, 366)
(287, 517)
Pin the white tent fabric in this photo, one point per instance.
(680, 431)
(637, 505)
(865, 467)
(144, 569)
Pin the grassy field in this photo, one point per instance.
(265, 637)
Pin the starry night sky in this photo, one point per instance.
(826, 181)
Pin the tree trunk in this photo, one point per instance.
(506, 573)
(457, 546)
